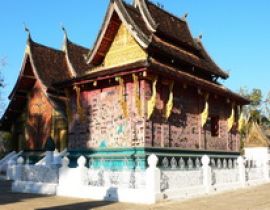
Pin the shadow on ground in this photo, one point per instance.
(7, 197)
(79, 206)
(10, 198)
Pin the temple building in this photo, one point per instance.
(146, 85)
(36, 110)
(256, 145)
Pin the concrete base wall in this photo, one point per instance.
(110, 194)
(34, 187)
(257, 154)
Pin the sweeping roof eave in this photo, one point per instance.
(177, 74)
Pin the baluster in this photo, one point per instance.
(181, 163)
(197, 163)
(165, 162)
(234, 163)
(224, 163)
(190, 163)
(138, 164)
(218, 163)
(213, 163)
(110, 164)
(91, 163)
(230, 164)
(125, 164)
(102, 165)
(173, 163)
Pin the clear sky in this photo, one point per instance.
(236, 33)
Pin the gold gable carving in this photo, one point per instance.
(256, 137)
(124, 49)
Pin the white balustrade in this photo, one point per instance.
(177, 176)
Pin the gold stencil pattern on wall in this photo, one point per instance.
(122, 96)
(124, 49)
(80, 111)
(136, 83)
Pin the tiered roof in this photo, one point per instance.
(171, 51)
(75, 56)
(47, 66)
(164, 36)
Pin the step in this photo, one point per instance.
(5, 186)
(3, 177)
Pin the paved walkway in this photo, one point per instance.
(255, 198)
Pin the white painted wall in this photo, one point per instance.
(259, 155)
(74, 182)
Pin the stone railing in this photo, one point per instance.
(125, 179)
(225, 176)
(192, 176)
(41, 179)
(177, 177)
(42, 174)
(9, 159)
(101, 177)
(180, 179)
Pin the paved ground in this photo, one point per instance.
(255, 198)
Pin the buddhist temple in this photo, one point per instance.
(256, 145)
(145, 86)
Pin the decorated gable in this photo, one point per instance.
(39, 118)
(124, 49)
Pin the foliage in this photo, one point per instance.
(3, 63)
(259, 108)
(5, 143)
(258, 111)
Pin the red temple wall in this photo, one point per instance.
(106, 126)
(104, 123)
(183, 128)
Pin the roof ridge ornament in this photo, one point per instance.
(146, 15)
(184, 17)
(65, 32)
(26, 29)
(199, 38)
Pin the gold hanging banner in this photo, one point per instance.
(68, 106)
(136, 83)
(241, 120)
(231, 119)
(122, 92)
(169, 104)
(205, 113)
(78, 103)
(152, 102)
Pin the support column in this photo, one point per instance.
(241, 171)
(207, 173)
(153, 179)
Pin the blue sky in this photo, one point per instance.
(235, 33)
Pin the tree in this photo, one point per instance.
(3, 63)
(267, 106)
(259, 108)
(4, 136)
